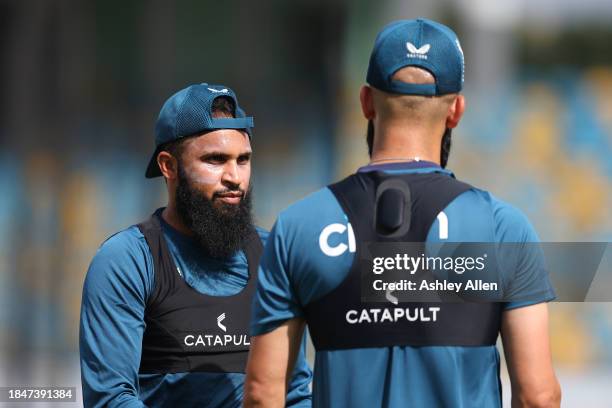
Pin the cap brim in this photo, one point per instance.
(153, 168)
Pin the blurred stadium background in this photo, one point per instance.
(82, 83)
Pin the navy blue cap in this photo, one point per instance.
(420, 43)
(189, 112)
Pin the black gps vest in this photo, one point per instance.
(189, 331)
(385, 208)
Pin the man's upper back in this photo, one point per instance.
(310, 252)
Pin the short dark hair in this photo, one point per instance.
(222, 107)
(446, 147)
(370, 137)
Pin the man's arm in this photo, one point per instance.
(298, 392)
(112, 324)
(271, 360)
(527, 349)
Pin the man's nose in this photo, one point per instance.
(230, 173)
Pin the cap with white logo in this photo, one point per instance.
(421, 43)
(189, 112)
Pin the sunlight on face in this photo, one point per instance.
(218, 163)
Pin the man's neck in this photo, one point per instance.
(170, 215)
(398, 144)
(403, 155)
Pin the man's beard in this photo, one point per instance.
(221, 229)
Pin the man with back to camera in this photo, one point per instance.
(377, 355)
(166, 303)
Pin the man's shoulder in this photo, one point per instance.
(501, 207)
(122, 257)
(120, 277)
(315, 207)
(511, 223)
(124, 242)
(262, 233)
(478, 215)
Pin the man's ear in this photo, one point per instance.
(367, 102)
(455, 112)
(167, 165)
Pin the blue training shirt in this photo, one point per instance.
(295, 271)
(118, 283)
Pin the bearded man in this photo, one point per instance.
(166, 303)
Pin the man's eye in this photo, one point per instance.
(244, 159)
(214, 159)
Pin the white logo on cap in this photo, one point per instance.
(414, 52)
(224, 90)
(462, 60)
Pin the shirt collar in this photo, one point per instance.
(407, 165)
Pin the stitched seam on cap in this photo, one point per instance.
(180, 111)
(421, 23)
